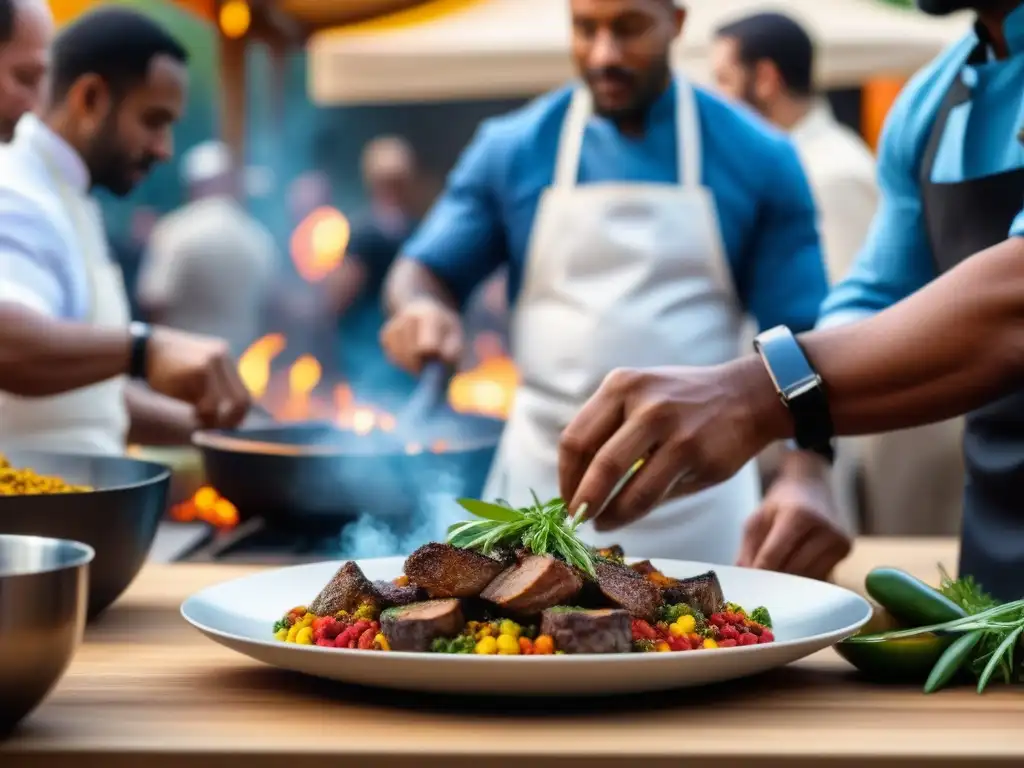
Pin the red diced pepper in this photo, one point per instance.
(727, 643)
(366, 639)
(748, 638)
(766, 636)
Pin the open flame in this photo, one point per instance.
(318, 244)
(297, 393)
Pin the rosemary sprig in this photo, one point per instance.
(544, 528)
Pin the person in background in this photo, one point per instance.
(26, 31)
(67, 347)
(353, 292)
(951, 203)
(641, 219)
(209, 264)
(767, 61)
(128, 250)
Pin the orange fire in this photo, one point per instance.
(296, 393)
(207, 506)
(318, 244)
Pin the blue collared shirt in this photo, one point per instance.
(980, 139)
(768, 220)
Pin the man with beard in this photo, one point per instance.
(767, 61)
(26, 30)
(66, 346)
(951, 170)
(641, 218)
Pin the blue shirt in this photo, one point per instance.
(980, 139)
(767, 214)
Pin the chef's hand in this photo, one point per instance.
(198, 370)
(695, 427)
(423, 330)
(796, 528)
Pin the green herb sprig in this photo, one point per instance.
(995, 632)
(543, 528)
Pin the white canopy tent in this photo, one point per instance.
(505, 48)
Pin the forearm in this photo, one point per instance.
(40, 356)
(343, 286)
(156, 419)
(949, 348)
(410, 281)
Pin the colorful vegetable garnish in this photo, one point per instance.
(543, 528)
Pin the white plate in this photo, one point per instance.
(808, 616)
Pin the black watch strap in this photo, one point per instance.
(800, 388)
(138, 361)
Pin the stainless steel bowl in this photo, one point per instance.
(44, 593)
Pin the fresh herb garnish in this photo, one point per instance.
(1001, 627)
(965, 592)
(543, 528)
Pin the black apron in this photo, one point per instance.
(963, 218)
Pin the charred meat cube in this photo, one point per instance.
(534, 583)
(614, 553)
(345, 592)
(446, 571)
(392, 594)
(628, 589)
(578, 630)
(414, 627)
(646, 569)
(704, 593)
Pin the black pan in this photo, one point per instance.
(314, 473)
(119, 519)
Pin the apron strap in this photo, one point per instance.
(570, 145)
(958, 93)
(688, 143)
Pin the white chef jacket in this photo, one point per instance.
(210, 263)
(841, 171)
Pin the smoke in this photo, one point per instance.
(435, 510)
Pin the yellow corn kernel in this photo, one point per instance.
(487, 646)
(709, 643)
(281, 634)
(508, 645)
(293, 630)
(484, 631)
(509, 628)
(685, 625)
(382, 641)
(304, 636)
(661, 646)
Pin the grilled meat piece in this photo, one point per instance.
(577, 630)
(703, 592)
(628, 589)
(345, 592)
(414, 627)
(446, 571)
(534, 583)
(391, 594)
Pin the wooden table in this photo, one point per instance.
(148, 691)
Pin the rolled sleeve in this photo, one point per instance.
(30, 268)
(462, 239)
(785, 280)
(896, 259)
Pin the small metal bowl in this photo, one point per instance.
(44, 593)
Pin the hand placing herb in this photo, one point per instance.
(543, 528)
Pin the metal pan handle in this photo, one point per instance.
(430, 393)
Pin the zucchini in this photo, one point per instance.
(908, 660)
(912, 602)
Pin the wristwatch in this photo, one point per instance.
(137, 362)
(800, 388)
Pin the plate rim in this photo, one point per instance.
(619, 658)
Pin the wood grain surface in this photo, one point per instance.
(148, 691)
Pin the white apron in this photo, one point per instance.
(622, 275)
(92, 419)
